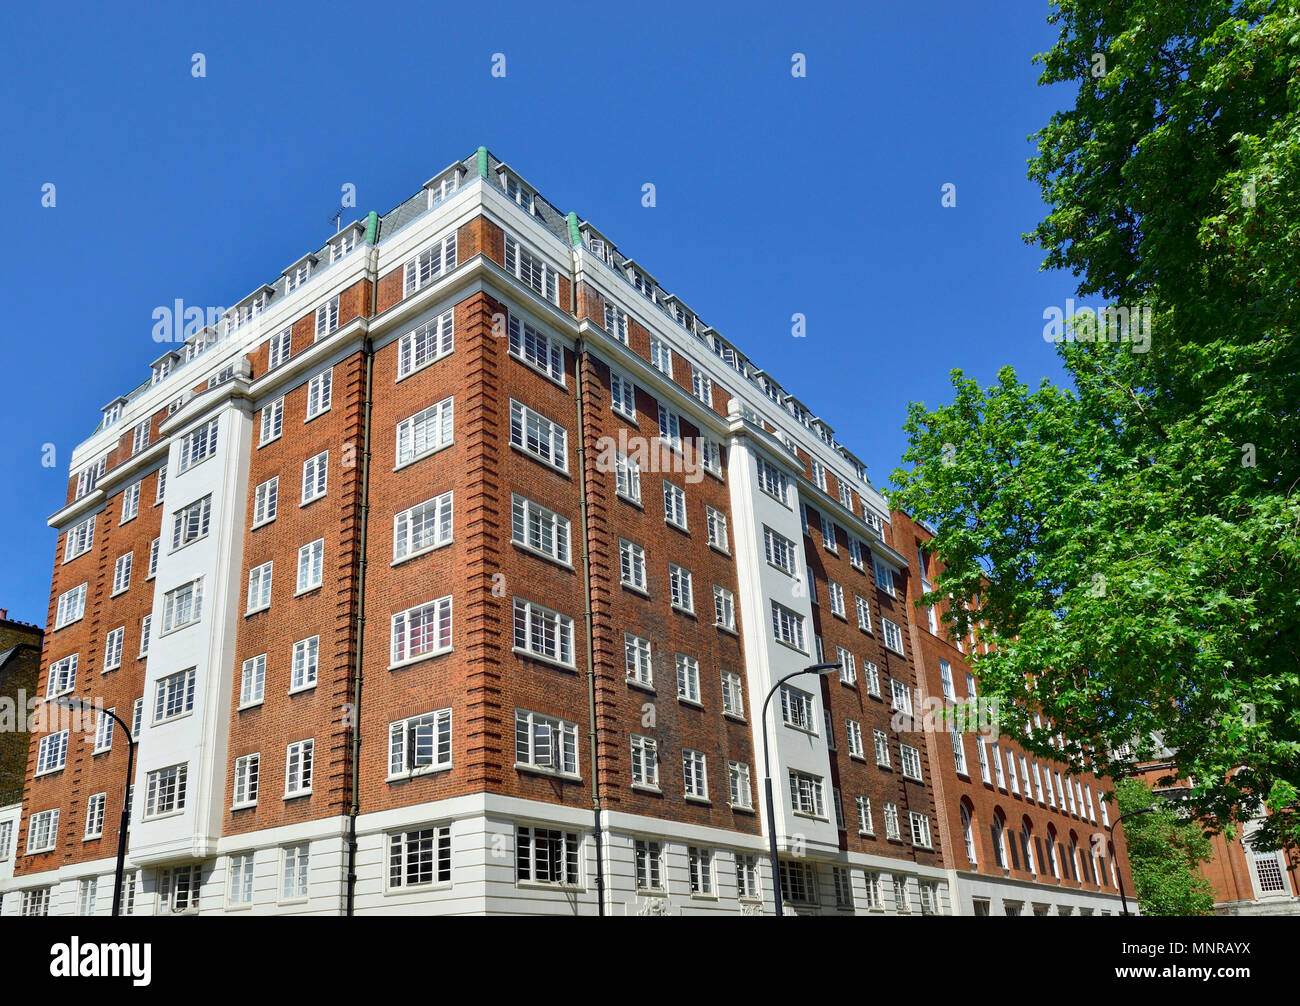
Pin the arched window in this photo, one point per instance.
(1051, 852)
(1110, 856)
(999, 832)
(968, 832)
(1027, 844)
(1076, 863)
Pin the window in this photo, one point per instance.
(71, 607)
(616, 321)
(798, 883)
(252, 681)
(165, 791)
(319, 392)
(787, 626)
(197, 445)
(104, 731)
(436, 260)
(998, 830)
(828, 535)
(546, 856)
(622, 394)
(423, 527)
(998, 772)
(674, 505)
(297, 768)
(881, 742)
(264, 501)
(910, 759)
(259, 588)
(1268, 871)
(122, 573)
(900, 698)
(419, 858)
(272, 422)
(661, 356)
(891, 822)
(797, 708)
(645, 761)
(239, 889)
(688, 678)
(929, 897)
(280, 348)
(113, 648)
(311, 565)
(984, 760)
(306, 663)
(945, 675)
(724, 609)
(130, 503)
(153, 558)
(246, 775)
(327, 317)
(140, 437)
(636, 651)
(62, 676)
(536, 435)
(848, 666)
(425, 432)
(779, 551)
(854, 734)
(174, 696)
(52, 753)
(670, 428)
(87, 888)
(701, 386)
(806, 794)
(42, 833)
(837, 598)
(884, 574)
(865, 825)
(627, 478)
(539, 351)
(631, 558)
(543, 633)
(893, 636)
(968, 835)
(741, 793)
(530, 269)
(420, 743)
(546, 743)
(773, 481)
(819, 475)
(679, 588)
(746, 876)
(649, 865)
(88, 477)
(695, 779)
(425, 345)
(959, 753)
(79, 539)
(179, 889)
(137, 717)
(733, 697)
(716, 522)
(872, 676)
(700, 870)
(920, 829)
(843, 887)
(315, 471)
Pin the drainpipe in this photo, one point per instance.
(354, 806)
(579, 354)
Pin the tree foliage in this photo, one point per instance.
(1130, 541)
(1164, 852)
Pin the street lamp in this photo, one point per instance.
(71, 702)
(1119, 874)
(822, 669)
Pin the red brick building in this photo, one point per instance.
(450, 573)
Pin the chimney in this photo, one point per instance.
(4, 614)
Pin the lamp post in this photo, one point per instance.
(1119, 874)
(820, 669)
(70, 702)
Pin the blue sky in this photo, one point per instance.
(775, 195)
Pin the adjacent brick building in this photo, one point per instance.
(462, 560)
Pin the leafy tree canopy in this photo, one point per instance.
(1130, 542)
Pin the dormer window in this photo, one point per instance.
(164, 365)
(644, 284)
(443, 187)
(112, 413)
(517, 193)
(343, 244)
(298, 275)
(244, 313)
(89, 476)
(200, 344)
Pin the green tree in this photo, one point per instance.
(1130, 541)
(1164, 851)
